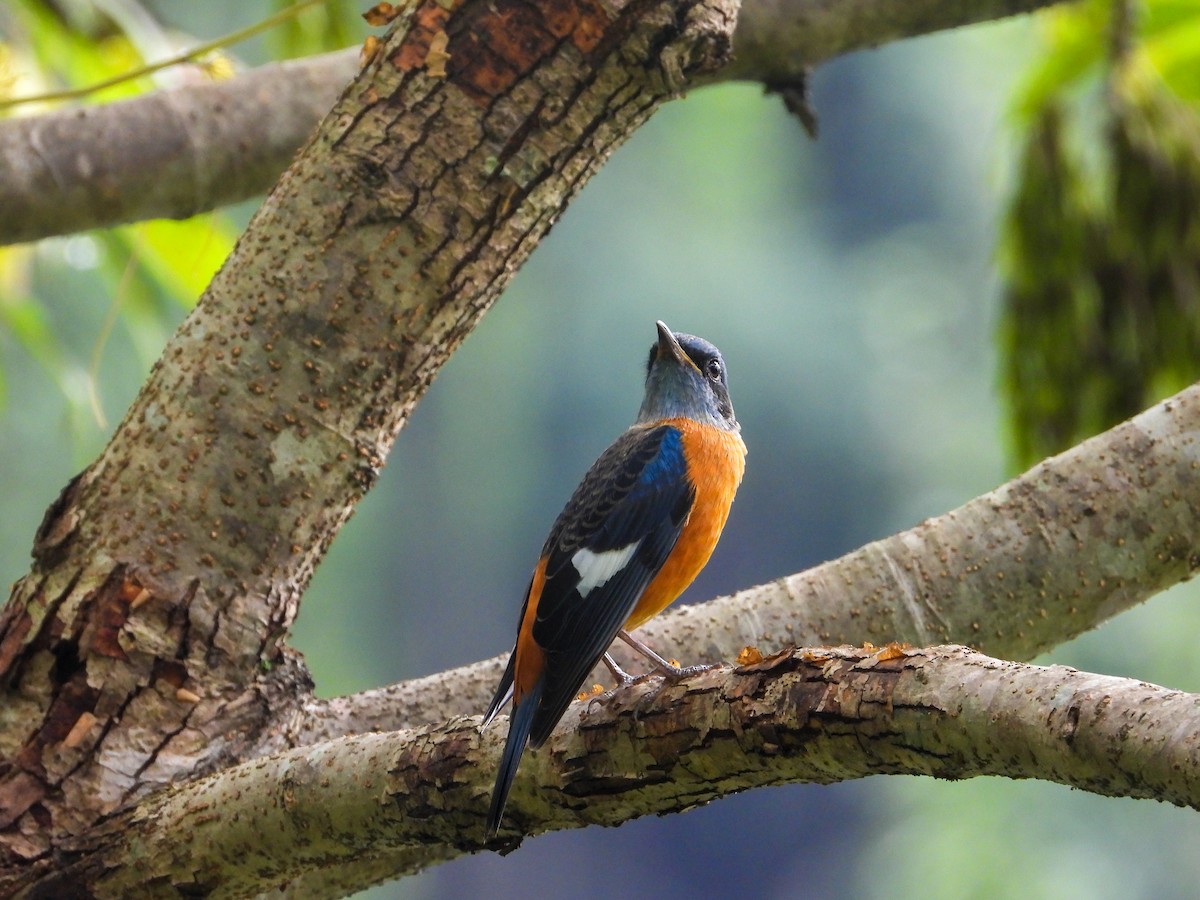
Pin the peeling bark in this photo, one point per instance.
(417, 797)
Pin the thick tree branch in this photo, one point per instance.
(188, 150)
(1053, 553)
(815, 716)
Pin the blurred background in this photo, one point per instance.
(853, 286)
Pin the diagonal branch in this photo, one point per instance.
(179, 152)
(418, 797)
(1053, 553)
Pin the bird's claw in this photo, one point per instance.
(624, 679)
(678, 673)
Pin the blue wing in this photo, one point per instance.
(608, 543)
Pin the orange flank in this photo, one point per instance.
(716, 462)
(530, 660)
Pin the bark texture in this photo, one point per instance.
(657, 748)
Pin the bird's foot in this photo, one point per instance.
(669, 668)
(624, 679)
(674, 672)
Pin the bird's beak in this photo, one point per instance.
(669, 347)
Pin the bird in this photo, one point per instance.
(636, 532)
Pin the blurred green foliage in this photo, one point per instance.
(1102, 250)
(327, 26)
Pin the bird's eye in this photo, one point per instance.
(714, 369)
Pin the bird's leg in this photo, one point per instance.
(624, 679)
(664, 666)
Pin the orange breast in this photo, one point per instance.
(716, 461)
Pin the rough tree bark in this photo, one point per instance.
(820, 716)
(145, 647)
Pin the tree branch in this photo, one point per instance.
(779, 41)
(419, 797)
(169, 154)
(179, 152)
(1051, 554)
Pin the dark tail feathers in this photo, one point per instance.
(519, 724)
(503, 692)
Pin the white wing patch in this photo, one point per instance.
(595, 569)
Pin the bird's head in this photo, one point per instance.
(685, 377)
